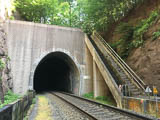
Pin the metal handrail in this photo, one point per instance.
(132, 74)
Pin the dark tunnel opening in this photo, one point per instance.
(55, 72)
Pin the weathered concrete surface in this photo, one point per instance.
(100, 86)
(105, 73)
(88, 78)
(142, 105)
(28, 43)
(18, 109)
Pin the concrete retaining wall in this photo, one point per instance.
(28, 43)
(143, 106)
(18, 109)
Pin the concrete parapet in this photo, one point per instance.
(18, 109)
(141, 105)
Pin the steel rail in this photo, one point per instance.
(79, 109)
(115, 109)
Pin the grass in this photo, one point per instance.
(105, 100)
(44, 110)
(9, 98)
(2, 64)
(34, 101)
(88, 95)
(101, 99)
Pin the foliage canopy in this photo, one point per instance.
(86, 14)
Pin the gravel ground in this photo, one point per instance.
(97, 111)
(63, 111)
(60, 110)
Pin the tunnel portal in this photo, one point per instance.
(56, 72)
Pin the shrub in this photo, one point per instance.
(156, 35)
(123, 45)
(133, 37)
(142, 28)
(2, 64)
(34, 101)
(88, 95)
(9, 98)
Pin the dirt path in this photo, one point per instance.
(49, 107)
(42, 109)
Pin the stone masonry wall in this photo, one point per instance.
(5, 73)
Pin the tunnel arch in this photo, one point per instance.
(56, 71)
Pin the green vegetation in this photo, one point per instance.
(133, 36)
(101, 99)
(142, 28)
(9, 98)
(99, 15)
(34, 101)
(88, 95)
(8, 58)
(105, 100)
(156, 35)
(91, 15)
(86, 14)
(2, 64)
(57, 12)
(123, 45)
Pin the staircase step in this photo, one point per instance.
(134, 90)
(132, 86)
(128, 83)
(136, 93)
(127, 80)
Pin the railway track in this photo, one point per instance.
(97, 111)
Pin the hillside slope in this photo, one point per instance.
(144, 57)
(145, 60)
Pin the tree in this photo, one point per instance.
(86, 14)
(36, 10)
(100, 14)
